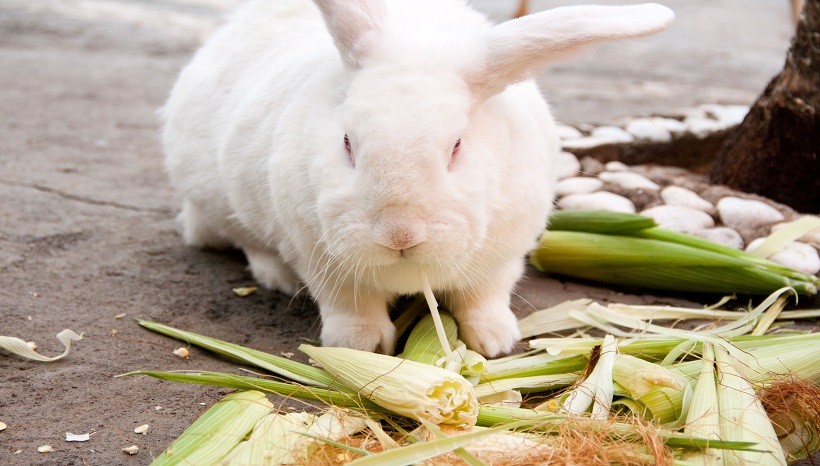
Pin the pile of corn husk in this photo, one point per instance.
(643, 393)
(629, 385)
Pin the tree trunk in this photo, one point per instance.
(774, 151)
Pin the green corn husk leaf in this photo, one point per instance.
(652, 263)
(286, 389)
(293, 370)
(742, 416)
(599, 221)
(614, 223)
(217, 431)
(539, 364)
(662, 234)
(535, 384)
(703, 418)
(408, 388)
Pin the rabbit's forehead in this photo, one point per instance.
(425, 100)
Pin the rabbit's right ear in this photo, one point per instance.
(517, 48)
(348, 22)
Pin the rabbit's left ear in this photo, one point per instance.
(518, 47)
(348, 21)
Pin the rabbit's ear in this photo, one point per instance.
(518, 47)
(348, 21)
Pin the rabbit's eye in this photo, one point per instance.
(348, 150)
(456, 148)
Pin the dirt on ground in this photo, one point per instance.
(88, 231)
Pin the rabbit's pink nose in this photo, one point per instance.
(400, 231)
(400, 238)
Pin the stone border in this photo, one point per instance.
(687, 138)
(677, 195)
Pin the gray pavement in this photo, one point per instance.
(87, 226)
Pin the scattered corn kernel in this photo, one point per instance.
(182, 352)
(244, 291)
(141, 429)
(132, 450)
(45, 448)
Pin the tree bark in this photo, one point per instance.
(774, 151)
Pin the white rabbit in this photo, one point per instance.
(351, 144)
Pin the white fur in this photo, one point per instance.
(254, 142)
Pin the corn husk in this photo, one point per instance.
(742, 416)
(596, 390)
(293, 370)
(22, 348)
(421, 451)
(657, 258)
(423, 344)
(273, 441)
(703, 418)
(790, 232)
(409, 388)
(639, 377)
(212, 436)
(287, 389)
(534, 384)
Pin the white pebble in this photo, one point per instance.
(679, 218)
(672, 125)
(578, 185)
(567, 165)
(721, 235)
(616, 166)
(587, 142)
(702, 127)
(649, 130)
(612, 133)
(729, 115)
(796, 255)
(675, 195)
(629, 180)
(567, 132)
(747, 213)
(600, 200)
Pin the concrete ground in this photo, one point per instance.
(87, 228)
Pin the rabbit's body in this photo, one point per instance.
(253, 137)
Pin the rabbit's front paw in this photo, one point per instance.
(269, 270)
(491, 336)
(366, 333)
